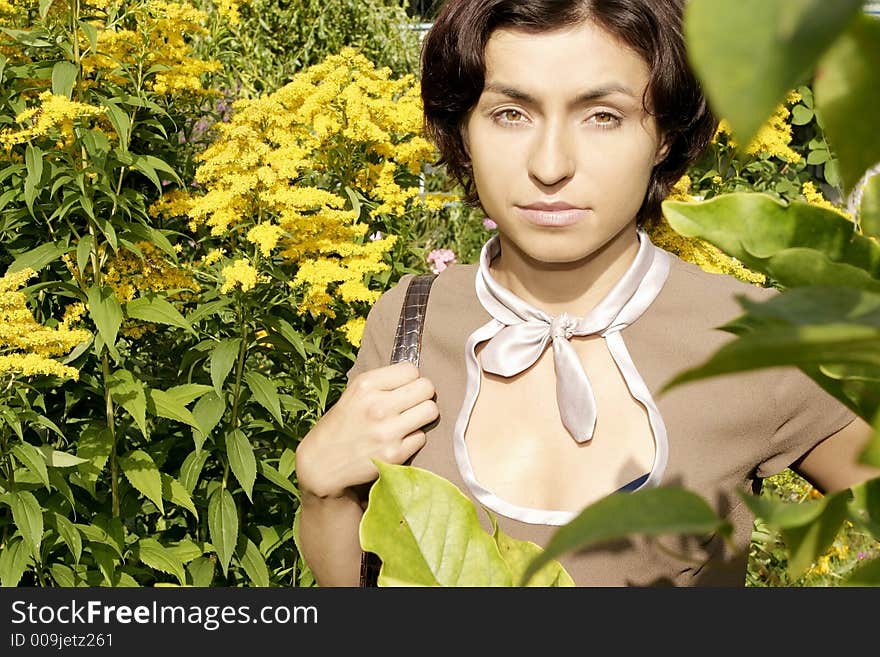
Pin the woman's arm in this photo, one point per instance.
(329, 538)
(832, 465)
(379, 416)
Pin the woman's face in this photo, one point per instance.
(560, 121)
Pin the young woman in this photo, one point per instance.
(568, 121)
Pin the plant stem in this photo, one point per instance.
(239, 368)
(114, 465)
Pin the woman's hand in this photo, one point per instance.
(378, 416)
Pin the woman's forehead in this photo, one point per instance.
(573, 61)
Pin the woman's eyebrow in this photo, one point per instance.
(587, 96)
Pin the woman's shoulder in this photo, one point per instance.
(693, 291)
(451, 288)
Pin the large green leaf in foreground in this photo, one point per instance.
(795, 244)
(426, 532)
(726, 40)
(655, 511)
(831, 333)
(847, 91)
(807, 528)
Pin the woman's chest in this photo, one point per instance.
(520, 450)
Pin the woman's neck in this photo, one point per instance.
(572, 287)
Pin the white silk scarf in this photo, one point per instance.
(519, 333)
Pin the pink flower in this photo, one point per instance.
(862, 555)
(440, 258)
(488, 224)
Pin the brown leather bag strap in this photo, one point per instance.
(408, 339)
(407, 344)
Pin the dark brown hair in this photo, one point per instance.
(453, 74)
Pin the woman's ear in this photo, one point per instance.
(463, 131)
(662, 151)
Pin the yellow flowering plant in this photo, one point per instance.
(99, 101)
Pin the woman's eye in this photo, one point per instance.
(605, 120)
(509, 116)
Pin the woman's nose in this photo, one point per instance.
(551, 160)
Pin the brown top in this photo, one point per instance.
(723, 433)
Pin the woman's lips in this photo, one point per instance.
(554, 218)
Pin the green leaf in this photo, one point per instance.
(290, 334)
(253, 562)
(142, 473)
(653, 511)
(174, 492)
(869, 212)
(221, 361)
(809, 542)
(129, 392)
(208, 412)
(164, 405)
(519, 554)
(105, 311)
(186, 550)
(63, 78)
(201, 570)
(120, 121)
(60, 484)
(33, 158)
(242, 461)
(266, 394)
(44, 8)
(207, 309)
(223, 525)
(13, 562)
(106, 558)
(865, 506)
(845, 330)
(99, 536)
(155, 309)
(784, 515)
(847, 90)
(780, 240)
(745, 78)
(870, 455)
(31, 458)
(155, 555)
(95, 444)
(287, 462)
(865, 575)
(69, 534)
(192, 468)
(83, 251)
(808, 528)
(187, 392)
(64, 576)
(39, 257)
(28, 517)
(91, 33)
(426, 532)
(278, 479)
(58, 459)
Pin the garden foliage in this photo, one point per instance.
(195, 217)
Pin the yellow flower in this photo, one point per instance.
(354, 330)
(240, 273)
(266, 236)
(26, 346)
(815, 197)
(276, 172)
(54, 112)
(213, 256)
(701, 253)
(773, 138)
(681, 190)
